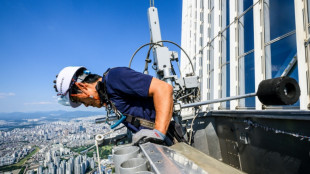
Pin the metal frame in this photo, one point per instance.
(302, 34)
(259, 54)
(266, 37)
(223, 62)
(289, 67)
(240, 63)
(198, 35)
(234, 47)
(192, 33)
(216, 59)
(205, 90)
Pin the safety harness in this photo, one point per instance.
(110, 106)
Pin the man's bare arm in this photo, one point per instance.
(163, 101)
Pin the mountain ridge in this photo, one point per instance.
(17, 116)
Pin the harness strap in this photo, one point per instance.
(137, 122)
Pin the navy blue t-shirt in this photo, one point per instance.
(128, 90)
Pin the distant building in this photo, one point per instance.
(7, 160)
(92, 164)
(40, 170)
(83, 168)
(30, 172)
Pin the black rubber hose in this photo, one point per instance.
(278, 91)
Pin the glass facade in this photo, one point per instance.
(275, 33)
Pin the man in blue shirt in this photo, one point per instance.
(140, 97)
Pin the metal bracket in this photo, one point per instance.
(307, 42)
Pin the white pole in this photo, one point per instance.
(301, 17)
(234, 47)
(258, 49)
(98, 157)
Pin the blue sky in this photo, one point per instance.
(38, 38)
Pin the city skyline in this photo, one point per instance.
(55, 147)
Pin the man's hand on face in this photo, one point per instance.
(88, 96)
(84, 88)
(146, 135)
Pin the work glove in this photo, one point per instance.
(146, 135)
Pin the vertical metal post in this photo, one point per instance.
(192, 50)
(241, 66)
(223, 51)
(185, 36)
(234, 47)
(216, 61)
(205, 76)
(198, 35)
(268, 70)
(302, 34)
(211, 46)
(259, 60)
(161, 54)
(207, 27)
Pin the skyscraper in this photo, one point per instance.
(235, 44)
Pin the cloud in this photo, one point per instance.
(275, 68)
(39, 103)
(4, 95)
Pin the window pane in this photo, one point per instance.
(247, 4)
(249, 78)
(282, 52)
(246, 32)
(280, 15)
(226, 50)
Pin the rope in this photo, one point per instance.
(152, 4)
(277, 131)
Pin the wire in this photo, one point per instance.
(186, 95)
(222, 31)
(157, 43)
(190, 135)
(147, 60)
(151, 3)
(139, 50)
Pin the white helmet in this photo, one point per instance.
(65, 80)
